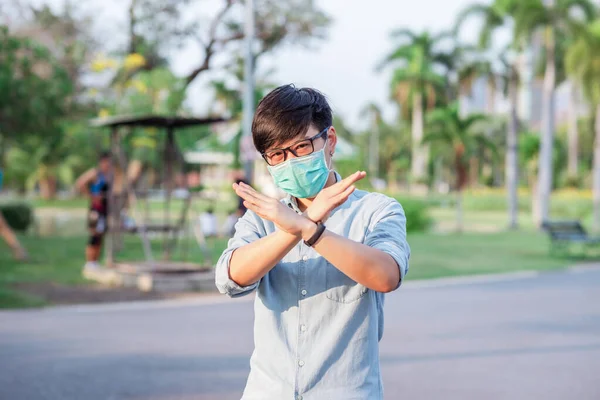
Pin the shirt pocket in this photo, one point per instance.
(341, 288)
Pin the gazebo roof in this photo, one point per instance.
(157, 121)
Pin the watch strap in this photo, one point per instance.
(316, 236)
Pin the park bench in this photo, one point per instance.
(567, 232)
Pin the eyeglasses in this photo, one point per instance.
(301, 148)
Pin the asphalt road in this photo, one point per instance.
(530, 336)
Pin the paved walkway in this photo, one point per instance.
(529, 336)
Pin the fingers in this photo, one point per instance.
(342, 197)
(247, 192)
(247, 195)
(253, 191)
(344, 184)
(254, 207)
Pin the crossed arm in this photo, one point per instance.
(366, 265)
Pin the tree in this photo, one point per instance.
(34, 94)
(463, 136)
(583, 64)
(553, 18)
(418, 76)
(506, 70)
(155, 25)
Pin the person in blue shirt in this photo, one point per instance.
(96, 184)
(320, 260)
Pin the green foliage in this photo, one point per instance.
(418, 63)
(34, 89)
(529, 148)
(417, 215)
(582, 61)
(19, 216)
(461, 137)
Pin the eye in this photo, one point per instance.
(275, 156)
(303, 148)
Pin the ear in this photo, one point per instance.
(331, 141)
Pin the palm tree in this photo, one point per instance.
(553, 18)
(510, 79)
(45, 163)
(507, 72)
(582, 63)
(418, 77)
(464, 136)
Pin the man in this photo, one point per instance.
(96, 184)
(320, 260)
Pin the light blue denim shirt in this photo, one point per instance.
(316, 331)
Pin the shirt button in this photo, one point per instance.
(303, 328)
(301, 363)
(304, 258)
(304, 292)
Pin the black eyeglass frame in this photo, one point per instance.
(289, 148)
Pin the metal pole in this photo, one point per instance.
(249, 86)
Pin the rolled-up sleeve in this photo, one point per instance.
(248, 229)
(387, 232)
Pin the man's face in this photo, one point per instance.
(105, 165)
(303, 146)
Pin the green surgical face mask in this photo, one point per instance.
(302, 177)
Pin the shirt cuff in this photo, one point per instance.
(400, 259)
(224, 283)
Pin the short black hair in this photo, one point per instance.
(287, 113)
(105, 155)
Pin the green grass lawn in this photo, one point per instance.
(155, 206)
(59, 259)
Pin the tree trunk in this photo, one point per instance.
(459, 210)
(490, 103)
(535, 205)
(512, 163)
(474, 165)
(572, 133)
(374, 146)
(9, 237)
(596, 172)
(132, 23)
(48, 188)
(547, 134)
(420, 152)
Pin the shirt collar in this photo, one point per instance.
(292, 203)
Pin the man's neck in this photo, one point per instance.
(303, 204)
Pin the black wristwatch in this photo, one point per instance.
(316, 236)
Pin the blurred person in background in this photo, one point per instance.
(96, 183)
(235, 215)
(8, 235)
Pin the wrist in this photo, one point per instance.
(307, 215)
(308, 229)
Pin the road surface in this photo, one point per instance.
(526, 336)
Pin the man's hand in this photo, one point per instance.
(333, 196)
(273, 210)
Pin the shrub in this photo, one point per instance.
(19, 216)
(417, 216)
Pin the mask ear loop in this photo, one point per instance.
(330, 157)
